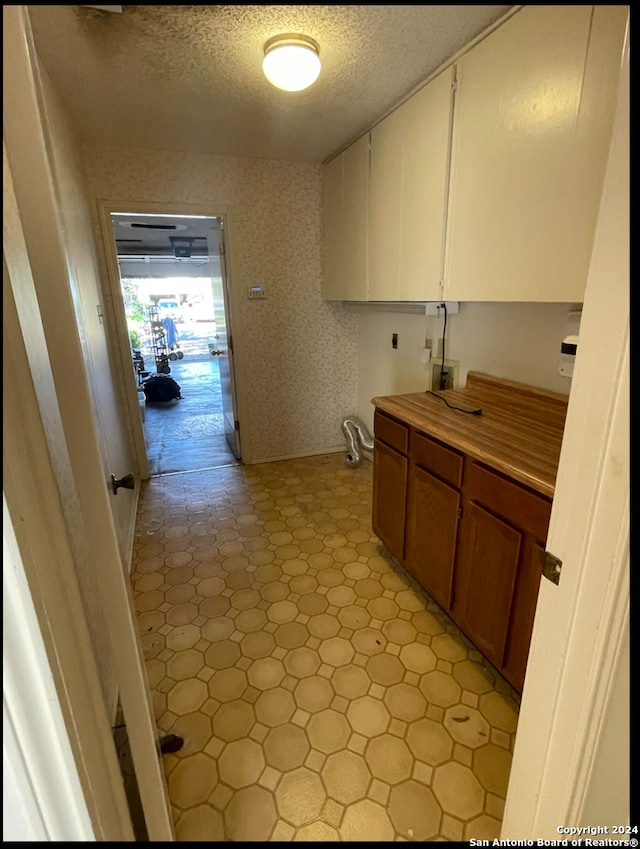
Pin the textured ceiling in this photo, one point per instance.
(189, 78)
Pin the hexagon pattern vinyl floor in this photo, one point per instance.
(321, 694)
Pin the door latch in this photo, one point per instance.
(552, 567)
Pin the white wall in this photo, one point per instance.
(295, 355)
(516, 341)
(304, 364)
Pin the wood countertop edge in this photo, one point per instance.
(509, 402)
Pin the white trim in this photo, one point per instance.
(43, 799)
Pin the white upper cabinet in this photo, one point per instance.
(533, 116)
(407, 195)
(490, 193)
(345, 182)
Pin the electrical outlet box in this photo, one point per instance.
(451, 370)
(435, 308)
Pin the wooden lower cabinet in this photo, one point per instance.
(471, 537)
(431, 533)
(486, 571)
(499, 563)
(390, 469)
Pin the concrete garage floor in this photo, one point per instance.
(188, 434)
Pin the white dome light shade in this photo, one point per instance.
(291, 62)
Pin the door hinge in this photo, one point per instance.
(236, 425)
(552, 567)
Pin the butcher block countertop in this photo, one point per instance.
(519, 432)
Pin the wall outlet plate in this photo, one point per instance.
(435, 307)
(451, 370)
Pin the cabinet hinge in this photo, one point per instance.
(552, 567)
(459, 513)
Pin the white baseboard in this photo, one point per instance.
(332, 450)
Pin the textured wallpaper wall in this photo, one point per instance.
(296, 356)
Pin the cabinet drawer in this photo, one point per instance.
(392, 432)
(444, 462)
(515, 503)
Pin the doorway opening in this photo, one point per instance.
(174, 290)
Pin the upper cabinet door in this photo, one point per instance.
(407, 195)
(345, 211)
(533, 117)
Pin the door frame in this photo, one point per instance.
(106, 208)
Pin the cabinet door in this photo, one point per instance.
(532, 125)
(432, 525)
(389, 494)
(523, 608)
(407, 192)
(486, 568)
(345, 182)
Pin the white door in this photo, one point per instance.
(227, 370)
(44, 300)
(571, 763)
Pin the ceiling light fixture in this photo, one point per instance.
(291, 62)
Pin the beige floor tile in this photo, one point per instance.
(321, 694)
(300, 796)
(202, 823)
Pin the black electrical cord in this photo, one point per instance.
(443, 382)
(451, 406)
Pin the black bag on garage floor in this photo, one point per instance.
(161, 387)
